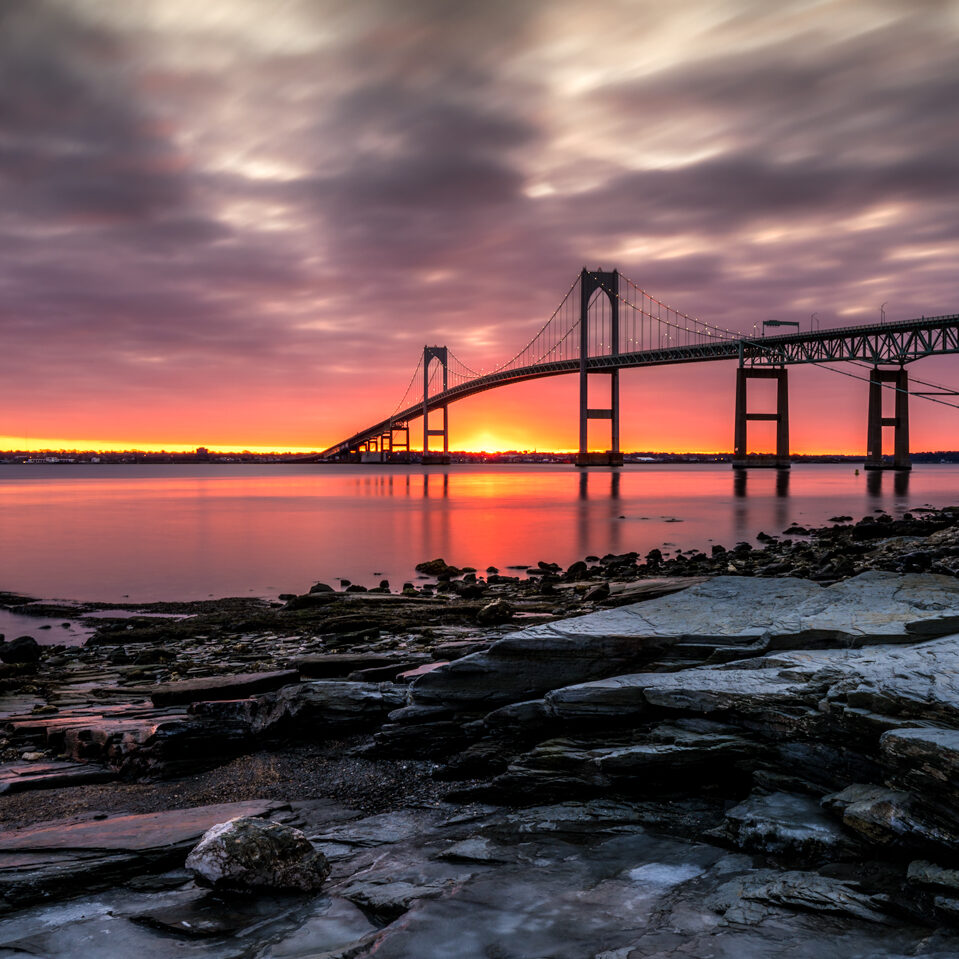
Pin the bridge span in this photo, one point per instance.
(605, 323)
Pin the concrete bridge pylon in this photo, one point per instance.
(780, 460)
(899, 422)
(441, 355)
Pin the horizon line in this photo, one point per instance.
(201, 452)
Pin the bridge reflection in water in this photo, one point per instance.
(606, 323)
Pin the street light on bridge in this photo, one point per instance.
(779, 323)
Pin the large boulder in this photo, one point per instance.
(248, 854)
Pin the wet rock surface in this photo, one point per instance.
(596, 762)
(568, 880)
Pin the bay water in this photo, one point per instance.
(142, 533)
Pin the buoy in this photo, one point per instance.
(857, 472)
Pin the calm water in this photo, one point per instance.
(186, 532)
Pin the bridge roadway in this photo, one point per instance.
(887, 343)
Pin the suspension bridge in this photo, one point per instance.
(606, 323)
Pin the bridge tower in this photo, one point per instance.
(781, 417)
(608, 283)
(441, 355)
(899, 422)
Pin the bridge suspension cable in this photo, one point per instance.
(553, 340)
(473, 373)
(888, 386)
(404, 399)
(662, 319)
(898, 389)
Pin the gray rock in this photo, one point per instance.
(331, 665)
(747, 691)
(524, 715)
(208, 916)
(220, 687)
(752, 615)
(383, 829)
(387, 901)
(668, 758)
(596, 593)
(495, 613)
(248, 854)
(923, 873)
(923, 759)
(477, 849)
(23, 649)
(528, 664)
(789, 826)
(312, 710)
(920, 682)
(888, 817)
(737, 899)
(594, 817)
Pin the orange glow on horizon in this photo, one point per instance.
(73, 445)
(484, 442)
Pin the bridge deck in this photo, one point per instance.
(899, 342)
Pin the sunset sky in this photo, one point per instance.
(235, 223)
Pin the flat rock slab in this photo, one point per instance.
(458, 648)
(312, 709)
(872, 607)
(132, 833)
(38, 725)
(208, 916)
(882, 687)
(703, 691)
(331, 665)
(745, 899)
(412, 674)
(22, 777)
(221, 687)
(686, 754)
(645, 589)
(759, 615)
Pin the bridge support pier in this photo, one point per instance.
(899, 422)
(781, 417)
(590, 282)
(441, 354)
(399, 440)
(612, 456)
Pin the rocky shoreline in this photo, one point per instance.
(750, 752)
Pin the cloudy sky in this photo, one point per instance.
(235, 223)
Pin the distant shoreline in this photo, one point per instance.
(137, 458)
